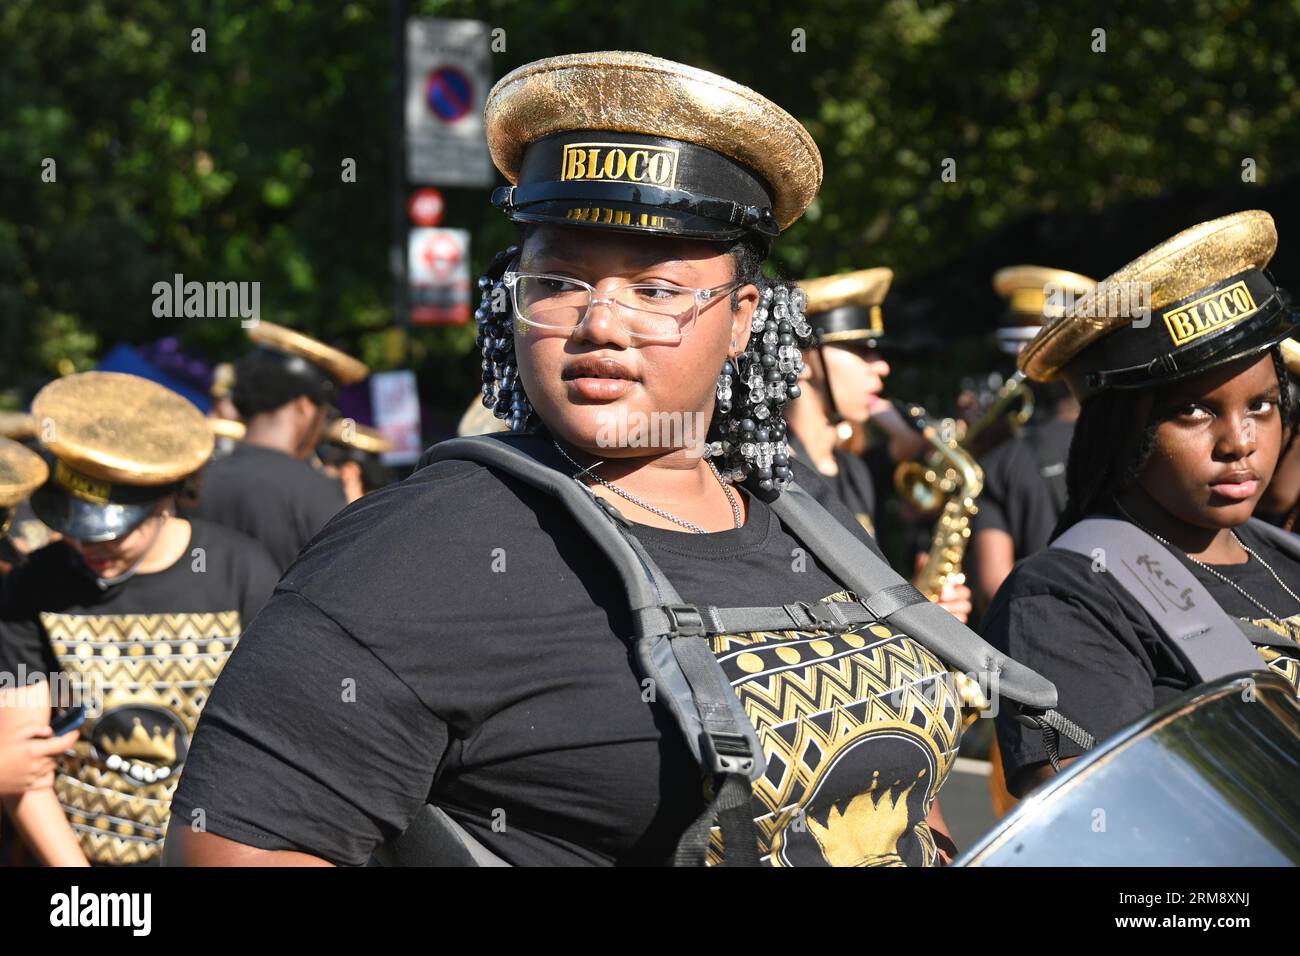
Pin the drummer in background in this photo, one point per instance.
(140, 608)
(1181, 425)
(284, 392)
(840, 387)
(351, 453)
(1280, 504)
(1024, 476)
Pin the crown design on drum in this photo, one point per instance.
(866, 834)
(143, 745)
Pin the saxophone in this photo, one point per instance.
(1012, 408)
(960, 484)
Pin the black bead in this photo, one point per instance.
(781, 461)
(748, 425)
(724, 407)
(763, 434)
(793, 391)
(785, 328)
(765, 473)
(772, 375)
(766, 485)
(781, 472)
(769, 361)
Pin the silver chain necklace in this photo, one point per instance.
(690, 526)
(1223, 577)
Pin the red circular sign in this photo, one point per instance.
(441, 256)
(425, 207)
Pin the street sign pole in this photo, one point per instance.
(397, 248)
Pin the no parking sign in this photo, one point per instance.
(448, 74)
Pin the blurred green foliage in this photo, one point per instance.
(225, 164)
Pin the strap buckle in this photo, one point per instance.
(822, 617)
(728, 753)
(686, 621)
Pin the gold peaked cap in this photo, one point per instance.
(17, 425)
(1026, 289)
(478, 420)
(637, 93)
(865, 287)
(22, 471)
(122, 428)
(363, 437)
(227, 428)
(341, 366)
(1195, 259)
(1291, 355)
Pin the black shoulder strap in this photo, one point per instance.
(1209, 641)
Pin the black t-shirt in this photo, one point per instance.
(1080, 629)
(456, 637)
(1019, 475)
(853, 483)
(270, 496)
(146, 653)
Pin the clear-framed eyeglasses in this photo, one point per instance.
(647, 311)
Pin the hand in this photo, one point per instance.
(956, 600)
(27, 757)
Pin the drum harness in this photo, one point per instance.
(671, 648)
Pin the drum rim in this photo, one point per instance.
(1006, 828)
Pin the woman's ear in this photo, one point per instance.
(742, 319)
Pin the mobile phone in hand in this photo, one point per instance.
(68, 719)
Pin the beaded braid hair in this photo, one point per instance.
(1107, 454)
(747, 436)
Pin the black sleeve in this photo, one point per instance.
(992, 514)
(1080, 639)
(24, 649)
(309, 742)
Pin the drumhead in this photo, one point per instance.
(1209, 779)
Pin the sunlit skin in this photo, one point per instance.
(348, 474)
(1216, 447)
(663, 377)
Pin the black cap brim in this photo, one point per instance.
(86, 520)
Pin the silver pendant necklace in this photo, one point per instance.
(1223, 577)
(641, 503)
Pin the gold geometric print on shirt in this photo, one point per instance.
(155, 672)
(1283, 662)
(859, 731)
